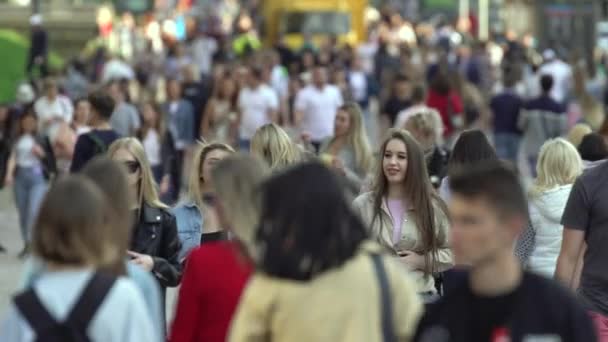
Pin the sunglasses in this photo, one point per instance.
(132, 166)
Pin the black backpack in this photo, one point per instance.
(74, 328)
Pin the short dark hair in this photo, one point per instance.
(257, 73)
(546, 83)
(418, 93)
(102, 103)
(495, 182)
(309, 229)
(471, 147)
(593, 147)
(401, 78)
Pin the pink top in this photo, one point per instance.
(396, 208)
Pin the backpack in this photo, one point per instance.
(100, 145)
(74, 328)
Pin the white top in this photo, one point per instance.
(60, 108)
(151, 143)
(562, 78)
(358, 85)
(24, 157)
(122, 317)
(255, 106)
(279, 79)
(203, 49)
(319, 109)
(546, 213)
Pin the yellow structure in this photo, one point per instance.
(293, 19)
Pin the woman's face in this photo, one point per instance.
(131, 165)
(81, 114)
(149, 114)
(211, 159)
(394, 162)
(228, 88)
(29, 124)
(342, 123)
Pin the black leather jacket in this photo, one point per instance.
(155, 234)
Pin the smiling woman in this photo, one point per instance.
(404, 213)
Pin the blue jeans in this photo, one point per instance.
(29, 189)
(507, 146)
(244, 145)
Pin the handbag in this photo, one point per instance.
(386, 306)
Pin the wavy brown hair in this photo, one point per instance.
(419, 193)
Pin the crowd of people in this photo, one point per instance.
(334, 193)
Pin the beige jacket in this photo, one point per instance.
(382, 230)
(340, 305)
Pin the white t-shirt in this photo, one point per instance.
(151, 145)
(358, 85)
(255, 104)
(562, 78)
(318, 108)
(60, 108)
(203, 49)
(24, 157)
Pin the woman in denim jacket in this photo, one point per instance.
(195, 207)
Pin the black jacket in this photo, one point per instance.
(155, 234)
(437, 165)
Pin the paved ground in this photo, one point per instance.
(10, 265)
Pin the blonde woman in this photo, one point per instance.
(196, 221)
(154, 242)
(578, 132)
(559, 165)
(236, 180)
(273, 145)
(427, 128)
(349, 151)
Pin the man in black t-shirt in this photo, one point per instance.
(584, 221)
(398, 101)
(101, 136)
(498, 301)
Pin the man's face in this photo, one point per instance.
(478, 234)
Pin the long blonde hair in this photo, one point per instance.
(147, 186)
(357, 137)
(578, 132)
(236, 181)
(272, 144)
(194, 194)
(558, 164)
(591, 109)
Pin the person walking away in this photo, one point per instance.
(39, 48)
(179, 117)
(399, 100)
(125, 119)
(426, 127)
(73, 297)
(506, 107)
(418, 105)
(561, 73)
(154, 242)
(273, 145)
(348, 151)
(27, 172)
(497, 300)
(583, 222)
(316, 106)
(101, 136)
(559, 165)
(258, 104)
(374, 289)
(593, 150)
(230, 265)
(542, 119)
(447, 102)
(404, 213)
(196, 220)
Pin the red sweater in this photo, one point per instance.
(214, 278)
(447, 106)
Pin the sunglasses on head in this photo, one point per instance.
(132, 166)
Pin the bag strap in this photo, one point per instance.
(34, 312)
(388, 331)
(90, 300)
(98, 142)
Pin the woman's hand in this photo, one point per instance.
(9, 180)
(142, 260)
(338, 165)
(412, 260)
(165, 184)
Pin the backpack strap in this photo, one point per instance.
(99, 144)
(90, 299)
(388, 330)
(34, 312)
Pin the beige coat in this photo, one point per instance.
(382, 230)
(340, 305)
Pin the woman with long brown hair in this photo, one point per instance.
(157, 143)
(220, 112)
(404, 213)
